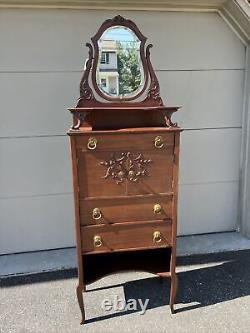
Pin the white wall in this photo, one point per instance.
(200, 65)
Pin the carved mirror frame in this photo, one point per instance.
(119, 21)
(89, 89)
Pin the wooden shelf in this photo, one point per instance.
(155, 261)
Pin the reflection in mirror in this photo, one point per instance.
(119, 70)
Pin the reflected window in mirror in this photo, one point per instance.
(103, 83)
(105, 58)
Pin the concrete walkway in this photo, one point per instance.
(214, 296)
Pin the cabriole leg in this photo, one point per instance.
(173, 291)
(79, 291)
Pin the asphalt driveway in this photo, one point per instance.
(213, 296)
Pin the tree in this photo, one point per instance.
(128, 68)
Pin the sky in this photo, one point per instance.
(119, 33)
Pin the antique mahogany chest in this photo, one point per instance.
(125, 153)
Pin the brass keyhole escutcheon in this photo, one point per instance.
(97, 241)
(92, 143)
(96, 214)
(159, 142)
(157, 238)
(157, 208)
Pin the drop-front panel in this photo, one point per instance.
(124, 164)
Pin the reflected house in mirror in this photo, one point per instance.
(119, 71)
(108, 71)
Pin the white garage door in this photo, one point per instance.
(200, 65)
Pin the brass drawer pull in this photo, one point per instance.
(157, 209)
(96, 214)
(92, 143)
(158, 142)
(97, 241)
(157, 238)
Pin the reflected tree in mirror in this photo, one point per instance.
(128, 68)
(119, 70)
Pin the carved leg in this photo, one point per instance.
(173, 291)
(79, 291)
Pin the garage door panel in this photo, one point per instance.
(36, 223)
(33, 166)
(36, 103)
(53, 39)
(207, 40)
(210, 156)
(208, 99)
(205, 208)
(41, 100)
(44, 39)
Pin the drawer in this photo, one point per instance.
(125, 141)
(124, 236)
(106, 211)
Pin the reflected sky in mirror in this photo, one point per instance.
(120, 33)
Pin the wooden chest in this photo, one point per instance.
(126, 186)
(125, 172)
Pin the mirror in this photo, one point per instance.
(119, 70)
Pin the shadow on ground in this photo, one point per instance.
(228, 279)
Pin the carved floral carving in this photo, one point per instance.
(126, 165)
(154, 88)
(85, 90)
(78, 119)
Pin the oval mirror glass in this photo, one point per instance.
(119, 70)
